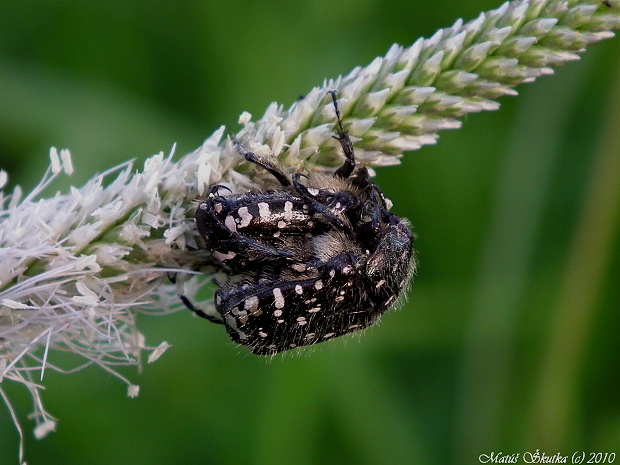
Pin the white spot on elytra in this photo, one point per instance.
(278, 298)
(288, 210)
(298, 289)
(301, 321)
(262, 334)
(380, 283)
(251, 303)
(231, 321)
(230, 223)
(281, 224)
(315, 309)
(246, 217)
(277, 234)
(263, 209)
(241, 315)
(312, 191)
(277, 313)
(332, 273)
(318, 285)
(298, 267)
(219, 256)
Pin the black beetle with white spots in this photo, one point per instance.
(318, 257)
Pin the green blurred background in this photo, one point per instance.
(510, 340)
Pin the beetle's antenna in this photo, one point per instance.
(345, 141)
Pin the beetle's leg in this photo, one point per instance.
(264, 163)
(199, 312)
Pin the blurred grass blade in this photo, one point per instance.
(588, 261)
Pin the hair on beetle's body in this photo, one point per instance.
(317, 257)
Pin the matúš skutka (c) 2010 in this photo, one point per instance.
(318, 257)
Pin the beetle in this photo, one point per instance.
(318, 257)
